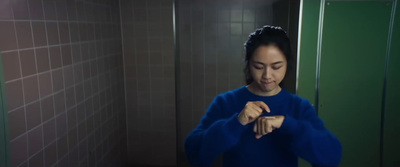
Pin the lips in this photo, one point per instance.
(266, 83)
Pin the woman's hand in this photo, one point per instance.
(265, 125)
(252, 111)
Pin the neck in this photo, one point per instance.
(255, 89)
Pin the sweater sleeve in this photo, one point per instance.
(310, 140)
(214, 135)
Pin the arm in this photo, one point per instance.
(213, 136)
(309, 139)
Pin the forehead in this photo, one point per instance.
(268, 54)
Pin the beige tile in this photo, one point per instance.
(61, 125)
(33, 116)
(61, 9)
(14, 94)
(24, 34)
(6, 9)
(31, 90)
(20, 9)
(35, 140)
(58, 80)
(49, 10)
(62, 146)
(64, 33)
(83, 31)
(50, 156)
(17, 124)
(70, 97)
(28, 62)
(39, 34)
(68, 76)
(52, 33)
(18, 150)
(59, 102)
(79, 93)
(45, 86)
(81, 131)
(36, 9)
(55, 57)
(49, 132)
(7, 31)
(36, 160)
(47, 108)
(11, 66)
(72, 138)
(71, 8)
(74, 31)
(42, 59)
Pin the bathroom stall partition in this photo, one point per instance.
(348, 69)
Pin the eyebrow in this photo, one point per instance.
(279, 62)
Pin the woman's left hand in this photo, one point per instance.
(265, 125)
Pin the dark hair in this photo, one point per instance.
(268, 35)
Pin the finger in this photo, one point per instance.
(269, 118)
(264, 106)
(258, 136)
(264, 127)
(269, 127)
(255, 128)
(260, 126)
(256, 108)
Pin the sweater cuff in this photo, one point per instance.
(289, 126)
(234, 127)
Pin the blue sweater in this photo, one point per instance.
(302, 134)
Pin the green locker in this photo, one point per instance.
(353, 80)
(391, 135)
(4, 133)
(352, 71)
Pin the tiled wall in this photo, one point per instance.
(148, 46)
(63, 72)
(210, 42)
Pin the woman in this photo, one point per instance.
(262, 124)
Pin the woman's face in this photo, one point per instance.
(268, 68)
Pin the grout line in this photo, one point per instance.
(51, 79)
(204, 54)
(124, 69)
(228, 62)
(54, 106)
(23, 92)
(191, 66)
(73, 78)
(95, 22)
(58, 21)
(73, 63)
(59, 45)
(38, 86)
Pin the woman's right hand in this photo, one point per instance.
(252, 111)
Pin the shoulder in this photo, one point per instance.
(298, 101)
(231, 95)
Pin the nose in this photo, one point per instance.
(267, 74)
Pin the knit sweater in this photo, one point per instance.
(302, 134)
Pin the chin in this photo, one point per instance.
(265, 89)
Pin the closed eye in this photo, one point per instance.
(258, 67)
(276, 68)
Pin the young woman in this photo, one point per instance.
(262, 124)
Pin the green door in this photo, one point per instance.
(391, 135)
(352, 71)
(4, 134)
